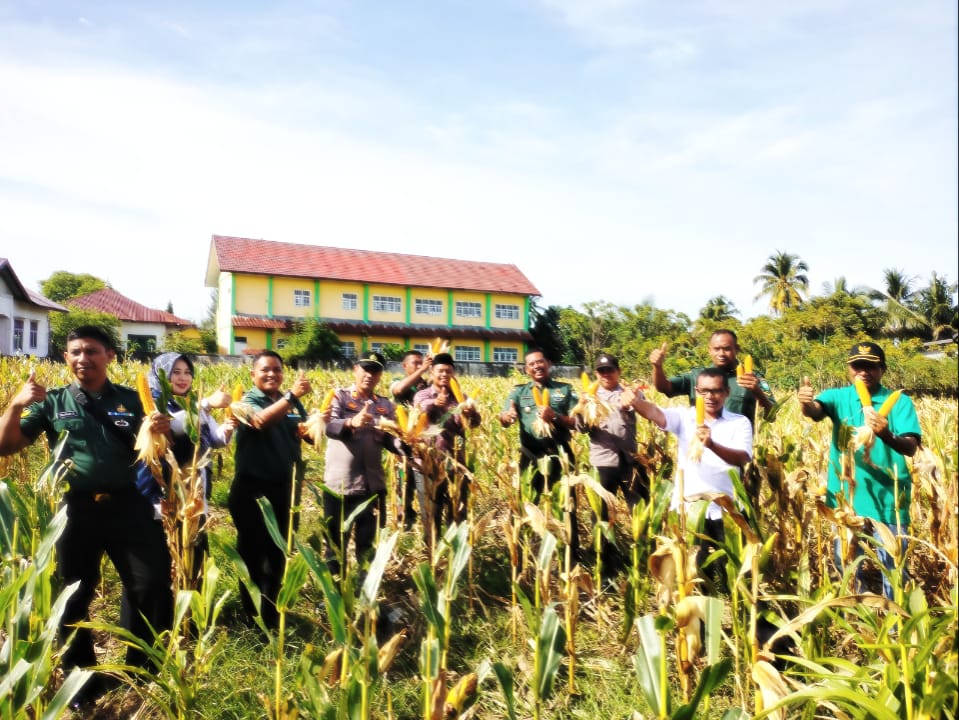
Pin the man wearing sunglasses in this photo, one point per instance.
(726, 440)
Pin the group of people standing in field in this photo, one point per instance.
(111, 506)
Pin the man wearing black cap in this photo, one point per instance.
(442, 408)
(881, 471)
(612, 442)
(354, 461)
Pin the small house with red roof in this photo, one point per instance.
(141, 328)
(24, 316)
(370, 299)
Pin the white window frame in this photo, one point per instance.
(506, 312)
(468, 353)
(349, 301)
(34, 334)
(377, 347)
(18, 332)
(348, 348)
(422, 347)
(505, 354)
(301, 298)
(468, 309)
(428, 306)
(387, 304)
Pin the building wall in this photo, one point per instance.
(276, 297)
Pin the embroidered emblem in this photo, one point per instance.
(63, 415)
(121, 423)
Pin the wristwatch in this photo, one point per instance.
(289, 397)
(205, 404)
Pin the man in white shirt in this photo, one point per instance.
(727, 443)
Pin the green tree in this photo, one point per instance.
(313, 342)
(178, 342)
(718, 309)
(544, 324)
(783, 280)
(937, 306)
(897, 300)
(63, 285)
(589, 331)
(208, 326)
(61, 324)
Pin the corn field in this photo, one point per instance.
(495, 619)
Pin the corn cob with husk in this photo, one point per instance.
(314, 427)
(239, 410)
(461, 697)
(745, 367)
(439, 346)
(151, 447)
(865, 436)
(591, 409)
(696, 447)
(541, 428)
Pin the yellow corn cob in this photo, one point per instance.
(593, 387)
(327, 400)
(584, 378)
(544, 396)
(700, 411)
(402, 418)
(537, 396)
(421, 423)
(889, 402)
(457, 392)
(739, 370)
(238, 392)
(748, 364)
(146, 397)
(863, 393)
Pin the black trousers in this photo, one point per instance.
(554, 472)
(337, 510)
(264, 559)
(121, 525)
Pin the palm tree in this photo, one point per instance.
(840, 286)
(718, 309)
(937, 307)
(783, 277)
(898, 302)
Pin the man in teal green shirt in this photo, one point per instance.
(883, 487)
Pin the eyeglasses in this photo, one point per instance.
(710, 392)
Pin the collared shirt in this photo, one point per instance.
(354, 456)
(875, 495)
(453, 425)
(101, 461)
(273, 453)
(614, 439)
(711, 473)
(740, 400)
(562, 399)
(406, 397)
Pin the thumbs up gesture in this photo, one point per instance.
(301, 386)
(363, 418)
(31, 392)
(806, 393)
(657, 356)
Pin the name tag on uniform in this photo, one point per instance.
(67, 414)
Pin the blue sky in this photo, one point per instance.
(613, 150)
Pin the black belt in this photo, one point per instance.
(98, 496)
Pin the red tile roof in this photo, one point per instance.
(248, 321)
(264, 257)
(110, 301)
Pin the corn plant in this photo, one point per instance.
(182, 660)
(28, 655)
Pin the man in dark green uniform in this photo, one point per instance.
(544, 430)
(268, 465)
(105, 511)
(746, 391)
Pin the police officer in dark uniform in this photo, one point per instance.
(105, 511)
